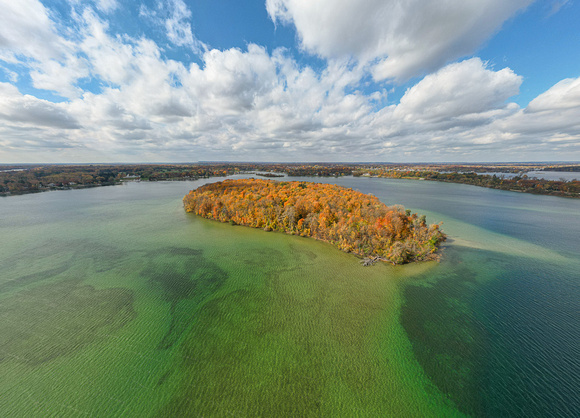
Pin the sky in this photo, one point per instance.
(85, 81)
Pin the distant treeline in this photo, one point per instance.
(320, 170)
(54, 177)
(352, 221)
(515, 184)
(568, 168)
(20, 179)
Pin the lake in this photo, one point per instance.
(115, 302)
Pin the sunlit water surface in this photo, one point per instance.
(114, 302)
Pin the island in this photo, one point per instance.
(350, 220)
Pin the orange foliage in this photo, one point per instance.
(352, 221)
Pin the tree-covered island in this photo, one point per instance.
(352, 221)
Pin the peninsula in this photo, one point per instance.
(352, 221)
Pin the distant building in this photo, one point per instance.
(131, 178)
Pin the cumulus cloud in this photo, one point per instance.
(238, 101)
(29, 37)
(26, 30)
(25, 110)
(110, 57)
(251, 100)
(401, 38)
(61, 76)
(562, 96)
(554, 113)
(450, 111)
(458, 90)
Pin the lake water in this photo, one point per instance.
(545, 175)
(114, 302)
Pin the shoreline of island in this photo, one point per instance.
(350, 220)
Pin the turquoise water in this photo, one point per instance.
(114, 302)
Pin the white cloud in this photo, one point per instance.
(564, 95)
(453, 108)
(29, 37)
(554, 113)
(12, 75)
(556, 6)
(175, 17)
(111, 59)
(459, 89)
(231, 79)
(178, 26)
(107, 6)
(25, 110)
(26, 30)
(60, 77)
(239, 100)
(408, 38)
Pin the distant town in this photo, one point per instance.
(520, 177)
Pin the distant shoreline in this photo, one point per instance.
(24, 179)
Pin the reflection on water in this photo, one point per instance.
(114, 302)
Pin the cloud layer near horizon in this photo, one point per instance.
(257, 105)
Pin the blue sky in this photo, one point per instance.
(289, 80)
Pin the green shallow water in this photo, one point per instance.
(114, 302)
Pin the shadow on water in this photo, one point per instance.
(186, 278)
(27, 279)
(61, 256)
(57, 319)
